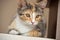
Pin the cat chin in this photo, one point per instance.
(32, 24)
(29, 24)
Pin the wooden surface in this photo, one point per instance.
(52, 19)
(16, 37)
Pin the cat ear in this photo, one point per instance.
(21, 3)
(42, 3)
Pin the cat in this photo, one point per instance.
(29, 15)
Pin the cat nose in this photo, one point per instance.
(32, 22)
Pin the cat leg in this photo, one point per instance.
(33, 33)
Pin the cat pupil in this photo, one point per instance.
(28, 15)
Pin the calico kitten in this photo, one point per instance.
(29, 15)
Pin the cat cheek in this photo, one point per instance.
(27, 22)
(37, 19)
(22, 18)
(28, 19)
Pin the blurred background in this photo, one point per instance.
(7, 11)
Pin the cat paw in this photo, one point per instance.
(13, 32)
(35, 33)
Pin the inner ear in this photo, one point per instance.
(42, 3)
(21, 3)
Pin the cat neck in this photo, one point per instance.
(23, 28)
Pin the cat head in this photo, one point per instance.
(31, 13)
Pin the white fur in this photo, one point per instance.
(13, 32)
(21, 26)
(33, 17)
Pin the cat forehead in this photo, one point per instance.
(30, 9)
(27, 9)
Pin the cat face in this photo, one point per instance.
(29, 13)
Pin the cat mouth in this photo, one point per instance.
(34, 24)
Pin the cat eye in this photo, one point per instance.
(21, 14)
(38, 16)
(28, 15)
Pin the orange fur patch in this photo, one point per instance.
(34, 33)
